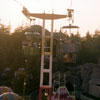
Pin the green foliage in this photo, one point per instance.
(12, 57)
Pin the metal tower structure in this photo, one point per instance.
(46, 51)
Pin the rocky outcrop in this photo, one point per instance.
(94, 83)
(82, 97)
(85, 72)
(85, 79)
(90, 77)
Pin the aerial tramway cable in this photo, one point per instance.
(19, 3)
(26, 12)
(70, 4)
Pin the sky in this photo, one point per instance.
(86, 13)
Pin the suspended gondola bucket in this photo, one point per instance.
(70, 51)
(68, 58)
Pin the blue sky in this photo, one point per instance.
(87, 12)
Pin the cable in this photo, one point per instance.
(70, 4)
(18, 3)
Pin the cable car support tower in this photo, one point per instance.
(46, 50)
